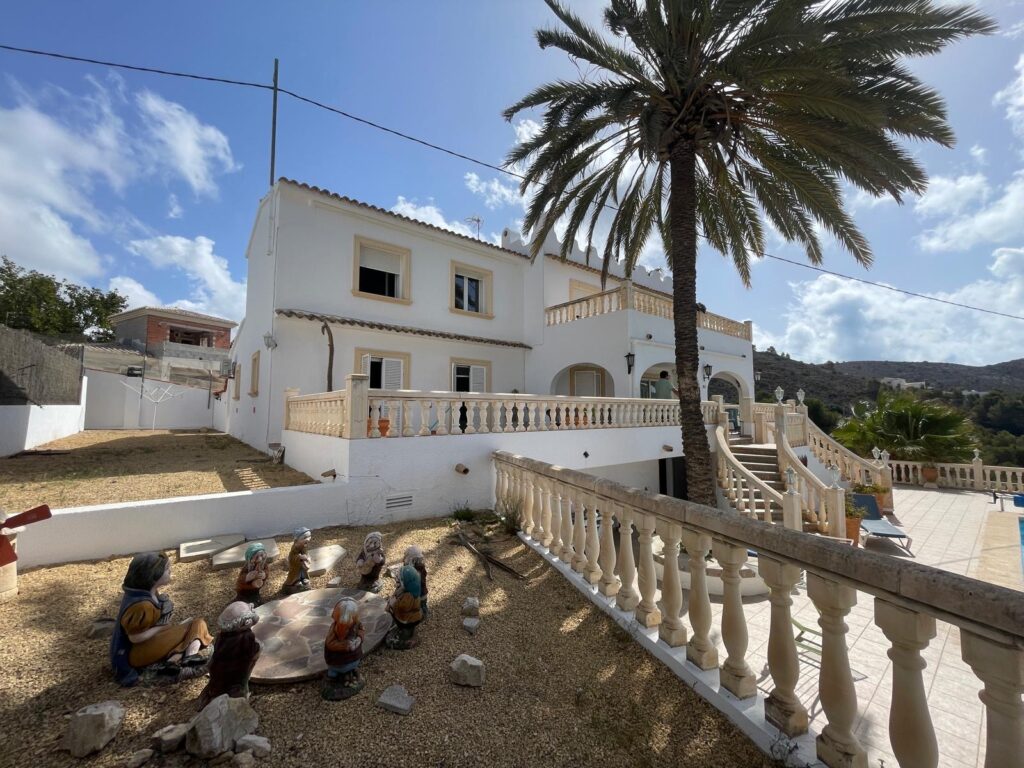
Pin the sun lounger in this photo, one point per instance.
(873, 524)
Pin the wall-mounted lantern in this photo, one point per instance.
(630, 360)
(757, 377)
(707, 371)
(269, 341)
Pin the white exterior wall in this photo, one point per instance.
(115, 402)
(370, 470)
(644, 475)
(23, 427)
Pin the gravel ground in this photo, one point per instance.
(565, 686)
(109, 466)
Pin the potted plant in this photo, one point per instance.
(881, 493)
(929, 472)
(854, 515)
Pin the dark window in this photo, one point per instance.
(376, 373)
(379, 282)
(462, 378)
(467, 293)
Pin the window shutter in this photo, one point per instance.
(392, 373)
(477, 378)
(364, 365)
(375, 258)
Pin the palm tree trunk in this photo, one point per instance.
(683, 230)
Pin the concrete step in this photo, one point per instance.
(751, 450)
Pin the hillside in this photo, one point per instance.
(840, 384)
(823, 382)
(1008, 376)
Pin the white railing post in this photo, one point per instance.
(735, 674)
(747, 415)
(592, 570)
(978, 469)
(627, 598)
(910, 724)
(357, 407)
(647, 613)
(579, 533)
(289, 393)
(837, 747)
(700, 650)
(609, 585)
(565, 552)
(526, 506)
(1001, 670)
(792, 517)
(782, 708)
(672, 629)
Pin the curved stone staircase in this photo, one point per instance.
(763, 463)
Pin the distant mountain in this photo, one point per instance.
(1008, 376)
(841, 384)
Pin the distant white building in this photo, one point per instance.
(901, 384)
(415, 306)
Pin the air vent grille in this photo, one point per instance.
(398, 501)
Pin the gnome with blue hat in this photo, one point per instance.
(253, 575)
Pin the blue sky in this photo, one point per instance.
(150, 184)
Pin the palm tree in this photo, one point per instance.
(705, 118)
(910, 428)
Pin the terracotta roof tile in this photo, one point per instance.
(374, 326)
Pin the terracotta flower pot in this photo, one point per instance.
(929, 474)
(853, 530)
(383, 425)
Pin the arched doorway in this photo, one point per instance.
(727, 385)
(649, 380)
(583, 380)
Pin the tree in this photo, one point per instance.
(910, 428)
(822, 415)
(701, 118)
(46, 305)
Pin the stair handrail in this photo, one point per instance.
(813, 492)
(854, 468)
(739, 484)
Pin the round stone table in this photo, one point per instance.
(292, 631)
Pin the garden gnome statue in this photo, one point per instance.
(144, 638)
(404, 607)
(414, 557)
(253, 575)
(370, 562)
(343, 650)
(234, 654)
(297, 579)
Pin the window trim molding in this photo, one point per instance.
(404, 279)
(254, 374)
(405, 357)
(485, 276)
(485, 364)
(236, 383)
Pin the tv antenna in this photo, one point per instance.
(475, 220)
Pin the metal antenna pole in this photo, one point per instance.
(273, 129)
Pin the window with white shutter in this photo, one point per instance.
(381, 270)
(469, 376)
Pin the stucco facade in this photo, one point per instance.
(305, 256)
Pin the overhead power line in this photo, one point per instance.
(451, 152)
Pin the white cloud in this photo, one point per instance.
(495, 192)
(835, 319)
(1012, 97)
(526, 130)
(174, 209)
(136, 293)
(980, 154)
(1015, 31)
(947, 196)
(431, 214)
(183, 145)
(213, 289)
(998, 221)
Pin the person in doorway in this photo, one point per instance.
(663, 389)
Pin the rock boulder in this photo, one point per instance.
(91, 728)
(219, 726)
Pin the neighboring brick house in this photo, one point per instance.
(181, 339)
(152, 326)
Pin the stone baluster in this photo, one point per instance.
(782, 708)
(424, 418)
(472, 414)
(553, 515)
(700, 650)
(544, 409)
(593, 570)
(735, 675)
(441, 411)
(672, 629)
(544, 504)
(579, 533)
(374, 418)
(910, 723)
(1001, 669)
(526, 505)
(520, 416)
(486, 416)
(540, 522)
(837, 747)
(627, 598)
(609, 582)
(565, 553)
(647, 612)
(499, 488)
